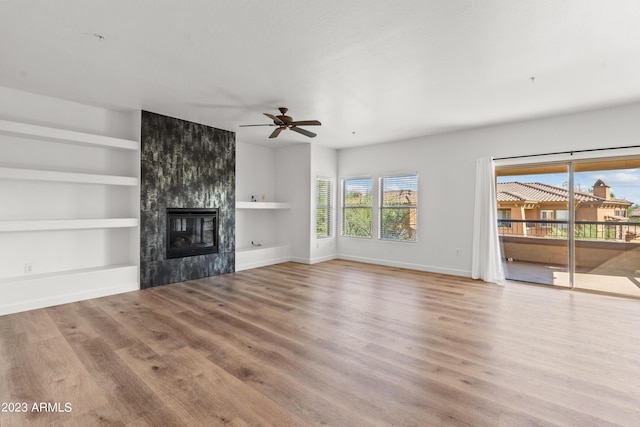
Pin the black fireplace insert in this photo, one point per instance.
(191, 232)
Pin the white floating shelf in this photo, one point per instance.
(67, 224)
(80, 178)
(65, 136)
(262, 205)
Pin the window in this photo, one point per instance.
(323, 208)
(546, 215)
(562, 215)
(504, 215)
(398, 208)
(357, 207)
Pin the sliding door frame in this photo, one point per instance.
(569, 159)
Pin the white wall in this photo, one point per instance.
(446, 168)
(255, 175)
(293, 181)
(36, 109)
(286, 174)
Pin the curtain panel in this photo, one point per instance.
(487, 261)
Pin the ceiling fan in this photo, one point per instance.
(286, 122)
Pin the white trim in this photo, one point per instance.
(318, 260)
(409, 266)
(609, 154)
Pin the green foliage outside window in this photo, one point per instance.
(323, 208)
(396, 224)
(357, 218)
(398, 210)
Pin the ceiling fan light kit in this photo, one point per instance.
(286, 122)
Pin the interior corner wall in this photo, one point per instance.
(184, 165)
(446, 166)
(293, 181)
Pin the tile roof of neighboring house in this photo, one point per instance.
(537, 192)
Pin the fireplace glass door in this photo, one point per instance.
(191, 232)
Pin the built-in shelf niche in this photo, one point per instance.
(55, 179)
(259, 255)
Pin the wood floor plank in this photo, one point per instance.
(336, 343)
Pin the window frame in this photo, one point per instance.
(381, 208)
(504, 217)
(545, 213)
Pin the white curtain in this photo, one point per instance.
(487, 257)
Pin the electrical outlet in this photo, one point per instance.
(458, 251)
(28, 268)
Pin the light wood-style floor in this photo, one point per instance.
(338, 343)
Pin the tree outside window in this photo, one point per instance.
(398, 208)
(323, 208)
(357, 208)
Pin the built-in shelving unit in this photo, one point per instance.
(82, 240)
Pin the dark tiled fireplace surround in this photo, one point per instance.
(189, 166)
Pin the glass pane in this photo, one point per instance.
(322, 192)
(357, 222)
(322, 222)
(358, 192)
(399, 190)
(608, 226)
(323, 208)
(398, 224)
(533, 223)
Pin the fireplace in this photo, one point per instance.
(191, 232)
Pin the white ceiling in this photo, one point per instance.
(370, 71)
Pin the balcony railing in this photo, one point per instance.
(584, 230)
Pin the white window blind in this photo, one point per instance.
(357, 207)
(399, 208)
(323, 208)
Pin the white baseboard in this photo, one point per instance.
(410, 266)
(322, 259)
(242, 264)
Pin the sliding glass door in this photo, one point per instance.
(573, 224)
(607, 226)
(533, 212)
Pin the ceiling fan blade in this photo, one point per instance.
(306, 123)
(274, 118)
(246, 126)
(276, 132)
(302, 131)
